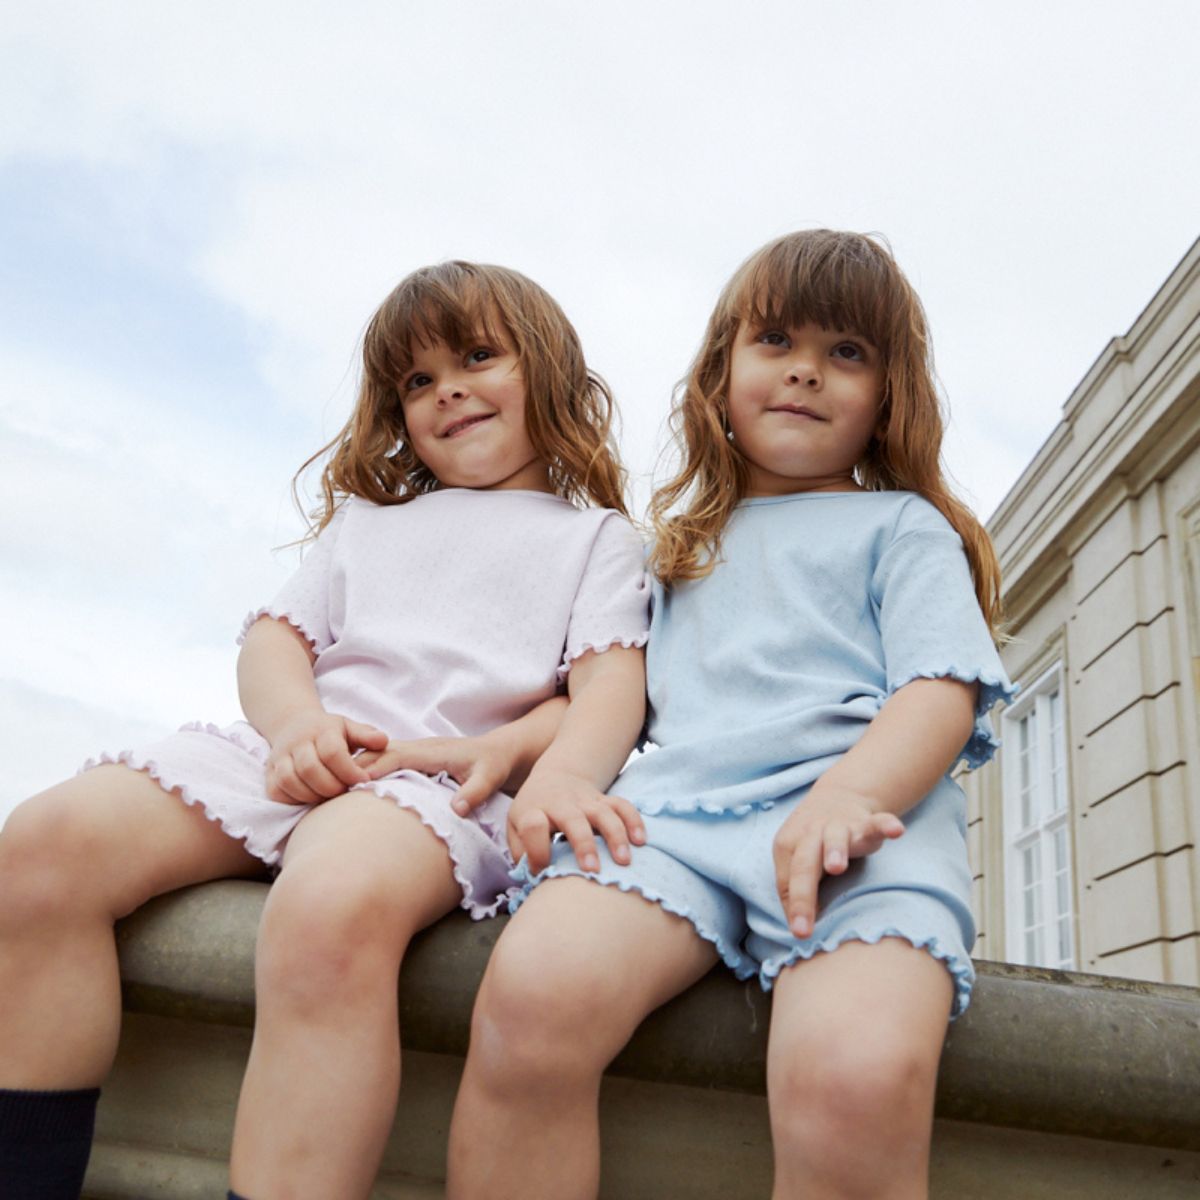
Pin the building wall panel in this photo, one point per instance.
(1144, 739)
(1140, 664)
(1150, 817)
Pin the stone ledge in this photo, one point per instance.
(1050, 1051)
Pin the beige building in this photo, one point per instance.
(1083, 829)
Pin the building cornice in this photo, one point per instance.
(1134, 414)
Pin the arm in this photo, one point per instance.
(499, 760)
(565, 789)
(311, 749)
(857, 804)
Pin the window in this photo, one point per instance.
(1037, 832)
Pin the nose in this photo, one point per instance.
(804, 369)
(450, 389)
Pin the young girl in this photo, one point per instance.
(820, 657)
(455, 582)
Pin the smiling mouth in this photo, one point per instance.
(466, 423)
(796, 410)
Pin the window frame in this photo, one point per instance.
(1032, 778)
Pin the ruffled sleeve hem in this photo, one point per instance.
(278, 614)
(983, 743)
(578, 651)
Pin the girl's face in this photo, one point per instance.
(803, 406)
(464, 411)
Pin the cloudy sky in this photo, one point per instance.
(201, 204)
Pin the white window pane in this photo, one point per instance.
(1057, 750)
(1033, 946)
(1064, 940)
(1030, 866)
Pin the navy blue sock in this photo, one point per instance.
(45, 1140)
(234, 1196)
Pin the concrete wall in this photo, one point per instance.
(1053, 1086)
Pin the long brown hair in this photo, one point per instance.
(568, 408)
(845, 281)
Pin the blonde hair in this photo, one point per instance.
(568, 408)
(843, 281)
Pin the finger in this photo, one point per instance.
(578, 831)
(367, 736)
(386, 763)
(782, 849)
(310, 767)
(285, 786)
(631, 818)
(427, 756)
(533, 829)
(478, 788)
(608, 823)
(516, 847)
(836, 842)
(334, 757)
(874, 832)
(804, 874)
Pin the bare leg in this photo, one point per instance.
(571, 978)
(856, 1036)
(73, 860)
(360, 877)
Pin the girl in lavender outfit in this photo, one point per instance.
(471, 554)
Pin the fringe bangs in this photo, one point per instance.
(449, 302)
(829, 279)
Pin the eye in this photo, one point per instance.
(773, 337)
(850, 351)
(416, 381)
(479, 355)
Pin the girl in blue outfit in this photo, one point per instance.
(820, 658)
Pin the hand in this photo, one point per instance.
(557, 800)
(311, 756)
(479, 765)
(828, 828)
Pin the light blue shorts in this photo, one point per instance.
(717, 871)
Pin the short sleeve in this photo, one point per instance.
(303, 601)
(611, 606)
(932, 627)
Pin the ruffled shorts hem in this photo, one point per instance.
(221, 772)
(730, 955)
(961, 973)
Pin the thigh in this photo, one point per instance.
(916, 888)
(859, 1004)
(115, 831)
(586, 947)
(366, 849)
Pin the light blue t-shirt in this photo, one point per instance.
(762, 674)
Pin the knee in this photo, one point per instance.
(49, 856)
(543, 1017)
(326, 940)
(841, 1095)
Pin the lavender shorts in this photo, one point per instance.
(717, 871)
(222, 770)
